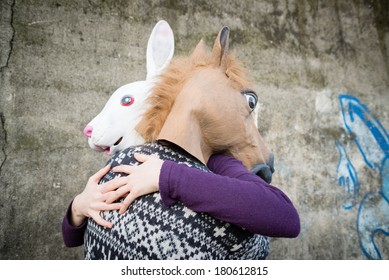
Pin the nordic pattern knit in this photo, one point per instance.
(150, 230)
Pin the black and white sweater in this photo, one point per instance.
(150, 230)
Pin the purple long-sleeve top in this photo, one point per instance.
(231, 193)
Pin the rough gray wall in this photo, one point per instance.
(61, 60)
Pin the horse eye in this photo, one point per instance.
(252, 99)
(127, 100)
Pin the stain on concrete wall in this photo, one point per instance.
(61, 60)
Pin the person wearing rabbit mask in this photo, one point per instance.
(170, 179)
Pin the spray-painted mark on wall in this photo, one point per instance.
(347, 177)
(372, 141)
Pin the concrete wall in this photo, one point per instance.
(61, 60)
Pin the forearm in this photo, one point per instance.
(246, 201)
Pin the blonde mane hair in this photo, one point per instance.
(172, 81)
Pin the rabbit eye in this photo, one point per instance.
(127, 100)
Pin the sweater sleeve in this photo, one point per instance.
(72, 236)
(232, 194)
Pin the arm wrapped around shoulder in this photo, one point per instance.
(232, 194)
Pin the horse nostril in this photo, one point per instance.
(265, 170)
(88, 131)
(265, 173)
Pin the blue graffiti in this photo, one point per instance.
(372, 141)
(347, 177)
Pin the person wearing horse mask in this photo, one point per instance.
(229, 193)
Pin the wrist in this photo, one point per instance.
(77, 218)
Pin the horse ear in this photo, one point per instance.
(160, 49)
(198, 52)
(220, 47)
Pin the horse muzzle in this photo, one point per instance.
(265, 170)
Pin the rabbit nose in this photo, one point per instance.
(88, 131)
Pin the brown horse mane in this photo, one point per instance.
(171, 82)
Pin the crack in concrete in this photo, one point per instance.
(2, 121)
(11, 42)
(2, 68)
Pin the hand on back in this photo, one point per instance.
(141, 180)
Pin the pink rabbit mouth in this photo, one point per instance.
(107, 149)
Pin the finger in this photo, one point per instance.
(143, 157)
(100, 221)
(99, 174)
(123, 191)
(127, 202)
(113, 184)
(111, 207)
(128, 169)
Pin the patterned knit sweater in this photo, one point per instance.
(150, 230)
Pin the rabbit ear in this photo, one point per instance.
(160, 49)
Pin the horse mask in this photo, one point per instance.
(204, 104)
